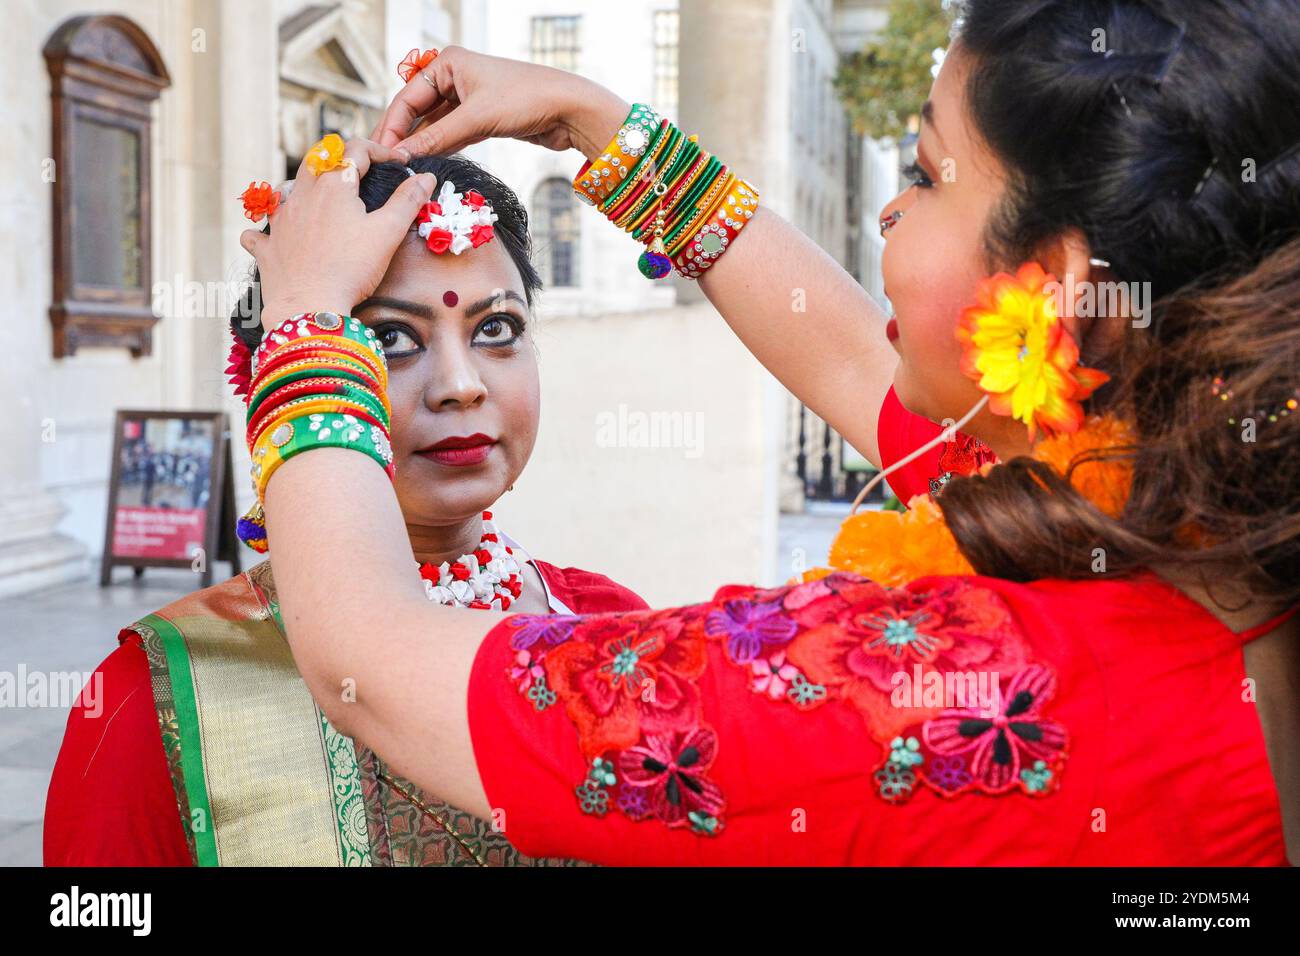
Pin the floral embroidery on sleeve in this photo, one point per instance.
(938, 670)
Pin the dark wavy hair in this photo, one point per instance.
(379, 183)
(1145, 146)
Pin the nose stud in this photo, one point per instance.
(889, 222)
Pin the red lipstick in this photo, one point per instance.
(891, 330)
(460, 450)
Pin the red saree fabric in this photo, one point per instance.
(111, 801)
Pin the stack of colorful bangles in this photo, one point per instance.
(319, 380)
(672, 195)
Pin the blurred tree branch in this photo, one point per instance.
(883, 85)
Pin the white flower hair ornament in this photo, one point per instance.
(453, 223)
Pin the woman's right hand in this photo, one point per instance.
(465, 97)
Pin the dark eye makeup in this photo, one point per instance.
(916, 175)
(497, 331)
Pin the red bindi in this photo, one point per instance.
(450, 298)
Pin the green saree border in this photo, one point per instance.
(187, 718)
(169, 729)
(345, 787)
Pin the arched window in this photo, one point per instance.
(555, 232)
(105, 73)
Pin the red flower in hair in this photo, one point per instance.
(240, 365)
(415, 61)
(439, 240)
(474, 199)
(428, 211)
(481, 234)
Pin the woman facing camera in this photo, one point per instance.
(247, 770)
(1086, 653)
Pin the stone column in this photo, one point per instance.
(733, 91)
(33, 553)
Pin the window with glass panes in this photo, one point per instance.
(555, 42)
(665, 71)
(555, 232)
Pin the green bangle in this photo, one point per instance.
(681, 164)
(686, 208)
(673, 218)
(337, 430)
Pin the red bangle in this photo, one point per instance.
(316, 350)
(714, 236)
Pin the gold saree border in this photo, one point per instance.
(266, 777)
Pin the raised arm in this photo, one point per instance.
(809, 323)
(793, 306)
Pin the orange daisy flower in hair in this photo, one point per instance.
(415, 61)
(1016, 348)
(260, 201)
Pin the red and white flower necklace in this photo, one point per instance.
(485, 578)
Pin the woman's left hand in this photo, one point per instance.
(326, 251)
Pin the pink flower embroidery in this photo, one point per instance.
(671, 768)
(1000, 746)
(773, 676)
(526, 670)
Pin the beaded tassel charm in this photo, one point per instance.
(654, 262)
(252, 529)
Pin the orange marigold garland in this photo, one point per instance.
(1104, 482)
(1016, 347)
(894, 548)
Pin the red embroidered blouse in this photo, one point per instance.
(964, 721)
(111, 801)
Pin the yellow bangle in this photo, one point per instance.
(596, 181)
(644, 173)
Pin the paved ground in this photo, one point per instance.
(74, 627)
(64, 629)
(805, 539)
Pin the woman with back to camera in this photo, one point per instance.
(1116, 595)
